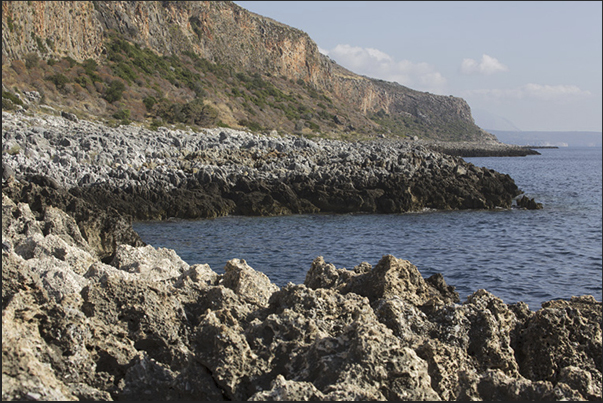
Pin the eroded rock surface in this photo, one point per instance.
(144, 325)
(214, 172)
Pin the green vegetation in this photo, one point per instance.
(9, 95)
(399, 125)
(10, 101)
(72, 62)
(115, 91)
(31, 60)
(130, 61)
(123, 115)
(409, 126)
(156, 123)
(141, 85)
(11, 26)
(59, 80)
(194, 112)
(253, 126)
(149, 102)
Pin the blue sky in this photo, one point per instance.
(523, 65)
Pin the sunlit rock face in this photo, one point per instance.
(245, 42)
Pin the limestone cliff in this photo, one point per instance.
(224, 33)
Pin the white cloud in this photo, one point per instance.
(532, 91)
(488, 65)
(377, 64)
(553, 92)
(323, 51)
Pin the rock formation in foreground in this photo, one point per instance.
(144, 325)
(91, 313)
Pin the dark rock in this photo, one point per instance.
(102, 228)
(573, 330)
(527, 203)
(8, 175)
(146, 176)
(484, 149)
(69, 116)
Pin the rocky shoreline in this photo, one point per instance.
(484, 149)
(91, 313)
(185, 174)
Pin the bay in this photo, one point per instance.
(518, 255)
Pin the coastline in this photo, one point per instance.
(491, 149)
(184, 174)
(95, 314)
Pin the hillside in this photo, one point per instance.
(204, 64)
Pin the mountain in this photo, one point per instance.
(490, 121)
(204, 64)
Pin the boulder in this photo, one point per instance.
(528, 203)
(253, 286)
(69, 116)
(153, 264)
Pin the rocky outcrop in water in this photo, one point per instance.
(144, 325)
(174, 173)
(472, 149)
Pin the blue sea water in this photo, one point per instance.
(518, 255)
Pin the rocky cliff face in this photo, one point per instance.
(225, 33)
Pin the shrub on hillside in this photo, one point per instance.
(115, 91)
(59, 80)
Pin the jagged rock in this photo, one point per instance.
(391, 277)
(140, 323)
(282, 389)
(528, 203)
(253, 286)
(26, 373)
(198, 274)
(219, 172)
(150, 263)
(573, 330)
(148, 379)
(101, 229)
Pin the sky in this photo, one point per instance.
(530, 66)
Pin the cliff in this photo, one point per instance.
(245, 69)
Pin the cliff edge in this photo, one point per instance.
(209, 64)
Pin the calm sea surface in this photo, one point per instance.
(518, 255)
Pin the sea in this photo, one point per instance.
(532, 256)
